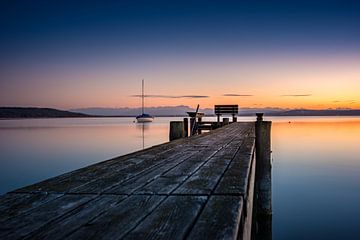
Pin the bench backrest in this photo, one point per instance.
(226, 109)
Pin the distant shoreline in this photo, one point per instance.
(48, 113)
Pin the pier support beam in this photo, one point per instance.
(262, 198)
(234, 118)
(176, 130)
(198, 129)
(192, 123)
(186, 127)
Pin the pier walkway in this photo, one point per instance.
(192, 188)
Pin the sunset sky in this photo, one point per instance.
(73, 54)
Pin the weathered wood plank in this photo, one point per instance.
(171, 220)
(23, 224)
(119, 220)
(248, 204)
(70, 222)
(171, 179)
(235, 179)
(220, 219)
(133, 184)
(15, 204)
(152, 173)
(206, 178)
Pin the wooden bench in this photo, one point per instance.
(226, 109)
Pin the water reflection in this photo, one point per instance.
(316, 178)
(143, 127)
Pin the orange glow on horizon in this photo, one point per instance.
(284, 82)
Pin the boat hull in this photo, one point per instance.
(144, 119)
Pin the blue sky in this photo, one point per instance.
(44, 40)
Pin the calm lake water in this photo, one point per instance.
(316, 163)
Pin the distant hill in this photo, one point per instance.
(327, 112)
(32, 112)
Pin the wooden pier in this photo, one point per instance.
(190, 188)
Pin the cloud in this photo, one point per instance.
(171, 96)
(237, 95)
(345, 101)
(296, 95)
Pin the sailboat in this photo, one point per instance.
(143, 117)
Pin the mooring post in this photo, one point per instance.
(186, 127)
(192, 123)
(176, 130)
(234, 118)
(263, 205)
(198, 124)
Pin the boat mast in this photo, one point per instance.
(142, 97)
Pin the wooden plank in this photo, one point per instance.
(118, 221)
(249, 204)
(115, 178)
(69, 223)
(206, 178)
(171, 220)
(224, 111)
(15, 204)
(23, 224)
(169, 182)
(153, 173)
(220, 219)
(235, 179)
(226, 105)
(171, 179)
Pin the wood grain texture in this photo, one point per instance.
(120, 219)
(70, 222)
(171, 220)
(220, 219)
(24, 224)
(15, 204)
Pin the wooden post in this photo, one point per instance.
(186, 127)
(234, 118)
(198, 124)
(262, 198)
(192, 123)
(225, 121)
(176, 130)
(218, 118)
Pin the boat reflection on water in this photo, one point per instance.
(143, 127)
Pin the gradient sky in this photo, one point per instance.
(71, 54)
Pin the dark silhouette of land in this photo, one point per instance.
(32, 112)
